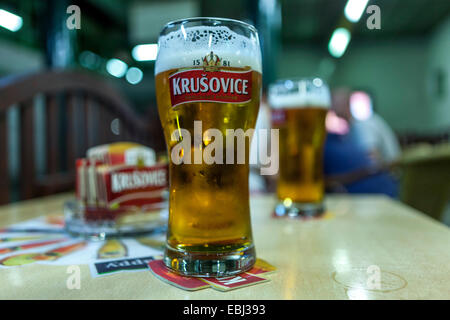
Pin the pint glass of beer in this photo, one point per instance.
(299, 108)
(208, 86)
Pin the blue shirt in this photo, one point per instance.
(344, 153)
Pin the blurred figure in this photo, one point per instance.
(349, 161)
(372, 131)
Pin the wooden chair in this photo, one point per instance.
(80, 111)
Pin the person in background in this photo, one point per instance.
(354, 157)
(372, 130)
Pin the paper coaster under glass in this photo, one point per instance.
(99, 224)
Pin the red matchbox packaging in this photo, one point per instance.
(132, 185)
(120, 179)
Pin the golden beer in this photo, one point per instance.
(299, 109)
(209, 231)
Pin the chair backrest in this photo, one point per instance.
(70, 111)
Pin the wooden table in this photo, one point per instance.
(333, 258)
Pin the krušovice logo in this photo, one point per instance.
(122, 181)
(210, 83)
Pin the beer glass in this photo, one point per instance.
(208, 85)
(299, 108)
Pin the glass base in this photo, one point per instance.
(299, 210)
(130, 225)
(209, 264)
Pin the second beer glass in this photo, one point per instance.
(299, 108)
(208, 80)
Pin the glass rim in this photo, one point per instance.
(318, 91)
(281, 81)
(196, 19)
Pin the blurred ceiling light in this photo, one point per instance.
(134, 75)
(361, 105)
(10, 21)
(338, 42)
(145, 52)
(354, 9)
(116, 67)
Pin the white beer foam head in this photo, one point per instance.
(298, 94)
(179, 48)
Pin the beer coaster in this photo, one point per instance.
(158, 268)
(261, 267)
(251, 277)
(234, 282)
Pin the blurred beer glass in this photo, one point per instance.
(299, 108)
(208, 70)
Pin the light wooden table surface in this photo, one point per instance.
(335, 258)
